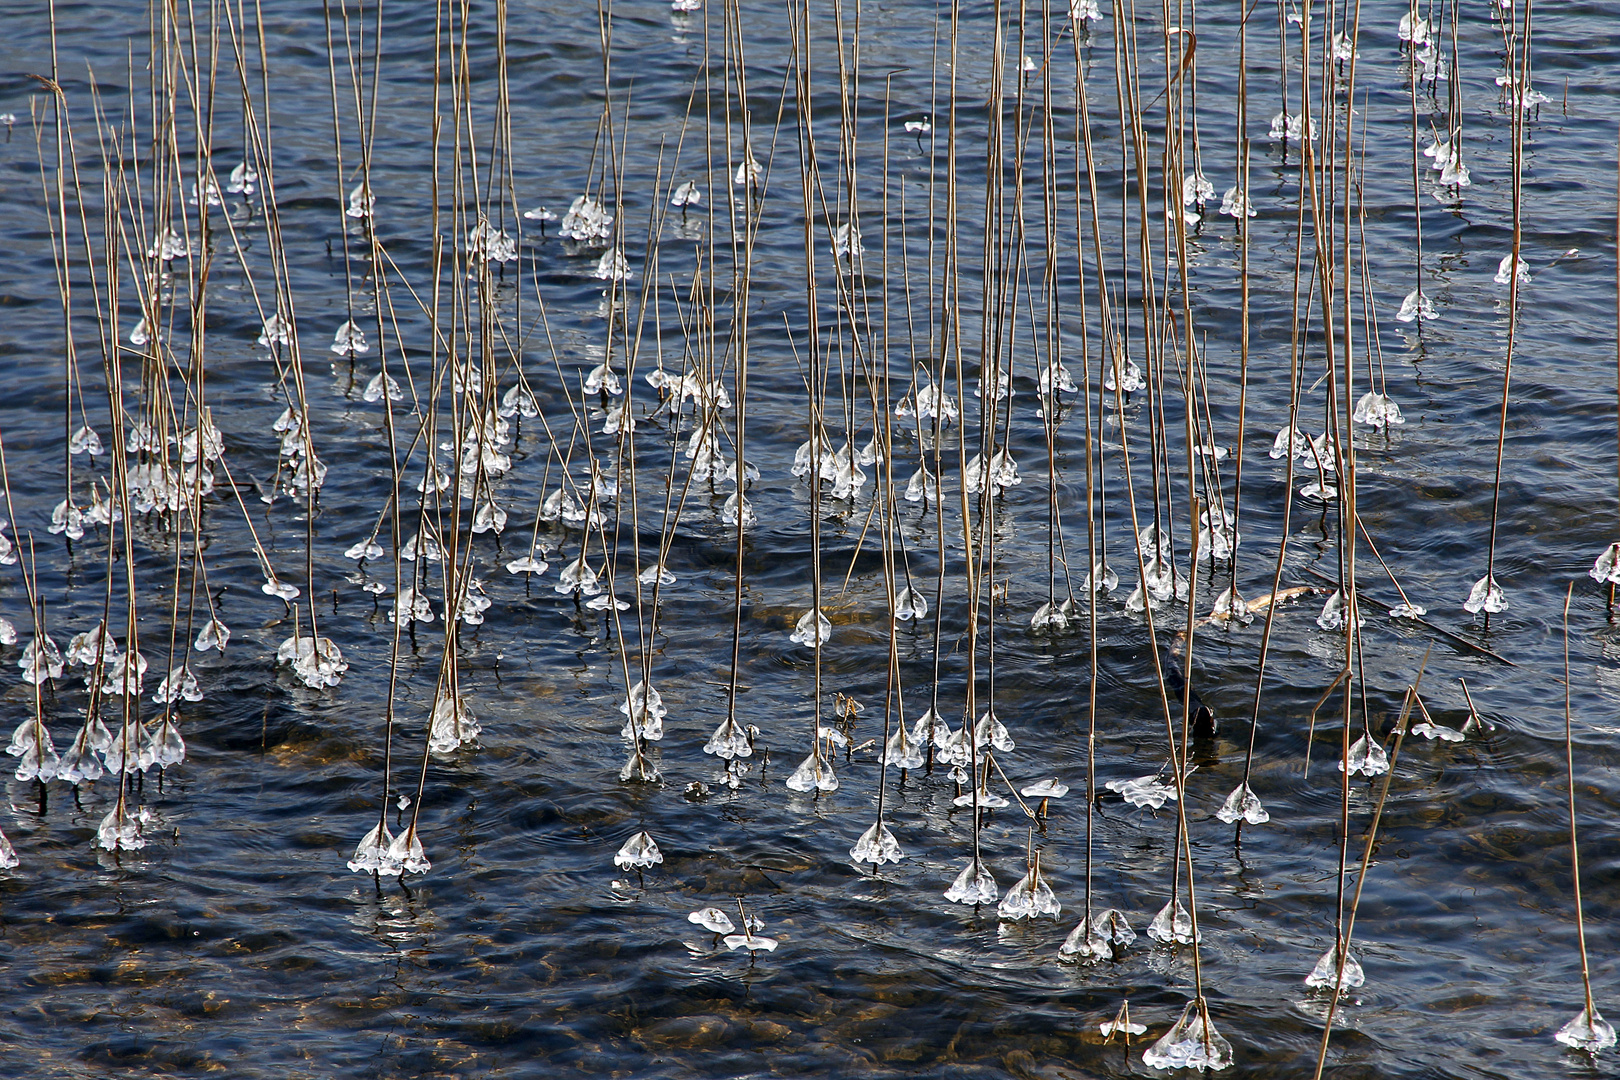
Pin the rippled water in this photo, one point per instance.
(238, 939)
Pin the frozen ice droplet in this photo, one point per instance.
(974, 885)
(1587, 1032)
(1290, 441)
(1438, 731)
(876, 846)
(1336, 614)
(712, 919)
(1327, 968)
(1367, 757)
(274, 586)
(992, 732)
(910, 604)
(812, 629)
(815, 773)
(1505, 269)
(1416, 306)
(1172, 925)
(1230, 609)
(351, 340)
(1487, 596)
(1191, 1043)
(406, 854)
(1235, 203)
(640, 852)
(1148, 791)
(1607, 567)
(1050, 618)
(1377, 411)
(371, 854)
(751, 941)
(1121, 1024)
(1243, 804)
(903, 750)
(1031, 897)
(120, 830)
(1105, 937)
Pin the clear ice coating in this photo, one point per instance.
(1438, 731)
(612, 266)
(751, 941)
(276, 331)
(528, 564)
(316, 661)
(361, 202)
(1291, 440)
(910, 604)
(1322, 975)
(1235, 203)
(1191, 1043)
(1123, 376)
(350, 340)
(371, 854)
(1101, 578)
(1367, 757)
(639, 852)
(80, 762)
(35, 753)
(1104, 937)
(1377, 411)
(902, 750)
(1172, 925)
(40, 660)
(1415, 29)
(406, 855)
(974, 885)
(987, 799)
(992, 732)
(1606, 570)
(1148, 791)
(1416, 306)
(1050, 617)
(120, 830)
(1487, 596)
(687, 194)
(644, 711)
(812, 629)
(1030, 897)
(1335, 613)
(876, 846)
(587, 220)
(750, 172)
(1243, 804)
(1587, 1032)
(730, 740)
(814, 774)
(1195, 189)
(1121, 1024)
(577, 577)
(931, 728)
(1292, 127)
(451, 725)
(1231, 609)
(179, 685)
(1505, 271)
(712, 919)
(382, 384)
